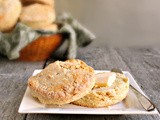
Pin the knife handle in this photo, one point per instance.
(144, 101)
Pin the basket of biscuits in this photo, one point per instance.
(37, 15)
(31, 31)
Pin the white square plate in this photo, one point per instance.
(128, 106)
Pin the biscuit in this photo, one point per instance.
(62, 82)
(37, 15)
(52, 28)
(9, 14)
(45, 2)
(106, 96)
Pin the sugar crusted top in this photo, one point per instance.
(63, 81)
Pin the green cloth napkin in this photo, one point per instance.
(22, 35)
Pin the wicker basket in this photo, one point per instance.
(41, 48)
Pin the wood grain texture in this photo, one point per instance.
(143, 63)
(13, 83)
(91, 117)
(126, 59)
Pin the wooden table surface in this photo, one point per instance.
(143, 63)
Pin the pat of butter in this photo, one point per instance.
(105, 79)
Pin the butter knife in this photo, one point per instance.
(143, 100)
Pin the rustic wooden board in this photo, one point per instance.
(92, 117)
(13, 83)
(143, 63)
(126, 59)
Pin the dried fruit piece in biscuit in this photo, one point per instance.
(9, 14)
(37, 15)
(62, 82)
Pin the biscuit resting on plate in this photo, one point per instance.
(106, 96)
(62, 82)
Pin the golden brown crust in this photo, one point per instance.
(37, 15)
(106, 96)
(45, 2)
(51, 27)
(9, 14)
(62, 82)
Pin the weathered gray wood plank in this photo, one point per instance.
(144, 64)
(91, 117)
(13, 83)
(107, 58)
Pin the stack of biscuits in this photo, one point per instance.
(10, 11)
(73, 81)
(37, 14)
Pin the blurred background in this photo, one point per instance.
(114, 23)
(117, 22)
